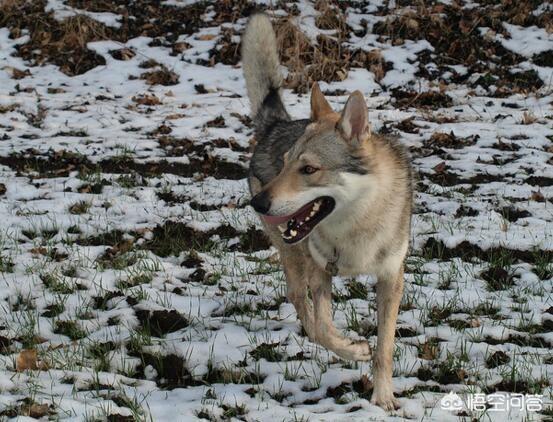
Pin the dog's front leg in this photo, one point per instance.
(295, 264)
(388, 296)
(320, 283)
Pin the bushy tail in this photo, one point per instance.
(261, 70)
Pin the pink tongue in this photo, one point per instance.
(278, 219)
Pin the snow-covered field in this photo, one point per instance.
(132, 264)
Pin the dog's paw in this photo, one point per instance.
(361, 350)
(358, 350)
(386, 401)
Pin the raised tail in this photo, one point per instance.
(262, 72)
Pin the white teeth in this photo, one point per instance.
(293, 233)
(316, 206)
(308, 218)
(282, 228)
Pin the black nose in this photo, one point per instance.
(261, 202)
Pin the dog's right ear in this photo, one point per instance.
(353, 123)
(319, 105)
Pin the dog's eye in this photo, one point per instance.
(308, 170)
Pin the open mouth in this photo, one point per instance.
(297, 226)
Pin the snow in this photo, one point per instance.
(238, 307)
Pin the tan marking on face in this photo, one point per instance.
(286, 184)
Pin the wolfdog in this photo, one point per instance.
(334, 198)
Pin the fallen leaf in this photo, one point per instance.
(440, 168)
(537, 196)
(146, 99)
(35, 410)
(206, 37)
(26, 359)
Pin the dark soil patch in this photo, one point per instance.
(206, 166)
(231, 376)
(101, 302)
(544, 58)
(497, 359)
(519, 340)
(196, 206)
(171, 369)
(498, 278)
(52, 164)
(512, 214)
(402, 332)
(443, 177)
(427, 99)
(516, 386)
(226, 51)
(407, 126)
(506, 146)
(5, 344)
(175, 147)
(435, 249)
(449, 140)
(114, 417)
(268, 352)
(453, 32)
(363, 387)
(543, 181)
(161, 76)
(442, 374)
(173, 238)
(466, 211)
(160, 323)
(192, 261)
(62, 43)
(65, 43)
(111, 238)
(52, 310)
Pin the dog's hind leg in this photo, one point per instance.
(320, 283)
(294, 264)
(388, 295)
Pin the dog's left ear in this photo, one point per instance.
(353, 123)
(319, 105)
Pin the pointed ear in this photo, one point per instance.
(319, 105)
(354, 124)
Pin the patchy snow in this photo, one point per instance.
(133, 264)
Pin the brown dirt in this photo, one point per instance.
(161, 323)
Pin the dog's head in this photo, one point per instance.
(323, 172)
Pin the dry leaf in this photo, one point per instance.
(429, 351)
(440, 168)
(27, 359)
(206, 37)
(35, 410)
(537, 196)
(146, 99)
(39, 251)
(175, 116)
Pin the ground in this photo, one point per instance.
(136, 282)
